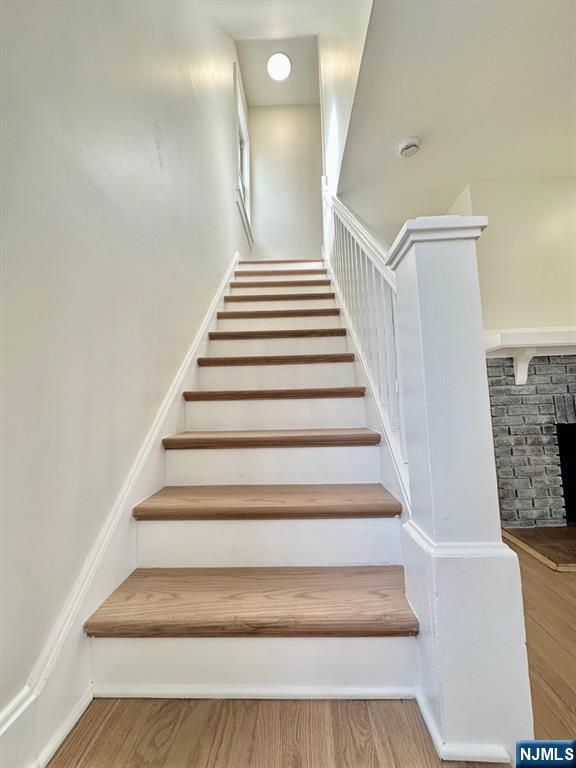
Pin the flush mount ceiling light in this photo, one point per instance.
(279, 66)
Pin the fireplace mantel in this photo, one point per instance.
(522, 344)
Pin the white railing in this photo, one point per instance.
(367, 289)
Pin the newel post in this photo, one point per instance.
(461, 579)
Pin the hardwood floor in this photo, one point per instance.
(555, 547)
(550, 614)
(207, 733)
(125, 733)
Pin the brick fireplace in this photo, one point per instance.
(524, 421)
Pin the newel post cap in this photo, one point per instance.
(433, 228)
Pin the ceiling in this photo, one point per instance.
(301, 87)
(261, 19)
(490, 87)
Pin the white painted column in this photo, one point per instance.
(463, 582)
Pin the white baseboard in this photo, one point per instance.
(478, 753)
(251, 692)
(109, 561)
(60, 734)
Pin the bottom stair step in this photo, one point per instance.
(273, 602)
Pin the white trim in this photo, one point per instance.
(464, 549)
(522, 344)
(245, 219)
(430, 228)
(393, 445)
(64, 729)
(464, 751)
(370, 245)
(253, 692)
(74, 602)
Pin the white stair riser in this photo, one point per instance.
(259, 543)
(307, 345)
(256, 466)
(280, 290)
(273, 323)
(257, 306)
(276, 376)
(273, 278)
(269, 265)
(276, 414)
(255, 667)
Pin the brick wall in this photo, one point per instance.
(524, 422)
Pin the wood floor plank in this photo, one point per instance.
(275, 394)
(354, 745)
(555, 547)
(116, 742)
(86, 734)
(153, 734)
(399, 730)
(272, 438)
(208, 733)
(242, 502)
(357, 601)
(549, 608)
(293, 733)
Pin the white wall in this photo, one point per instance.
(527, 255)
(286, 148)
(119, 221)
(340, 50)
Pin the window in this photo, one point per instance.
(242, 155)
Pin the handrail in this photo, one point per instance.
(374, 250)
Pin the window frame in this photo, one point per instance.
(242, 140)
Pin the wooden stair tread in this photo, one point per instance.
(274, 394)
(272, 438)
(280, 261)
(334, 357)
(275, 272)
(296, 333)
(263, 313)
(268, 502)
(276, 283)
(238, 602)
(240, 297)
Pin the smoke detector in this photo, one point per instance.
(409, 146)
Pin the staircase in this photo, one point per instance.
(270, 563)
